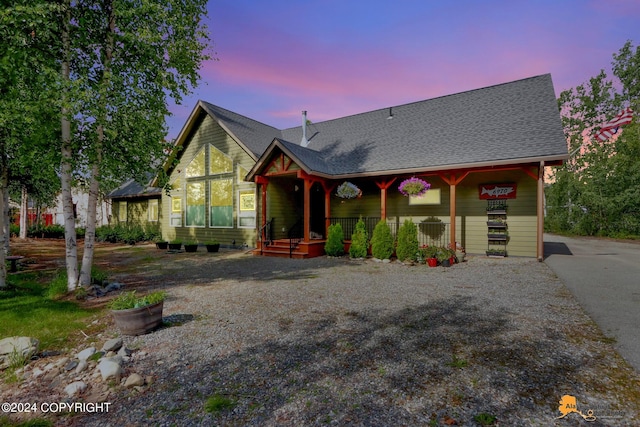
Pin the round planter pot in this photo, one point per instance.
(162, 245)
(190, 248)
(432, 262)
(213, 248)
(175, 246)
(446, 263)
(139, 321)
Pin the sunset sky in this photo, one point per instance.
(339, 57)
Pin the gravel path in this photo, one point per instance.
(332, 341)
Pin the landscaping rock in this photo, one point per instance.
(24, 347)
(109, 368)
(134, 380)
(74, 388)
(82, 365)
(71, 364)
(112, 345)
(86, 353)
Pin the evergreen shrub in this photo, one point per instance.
(359, 241)
(334, 245)
(408, 247)
(382, 241)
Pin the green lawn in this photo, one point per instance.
(26, 310)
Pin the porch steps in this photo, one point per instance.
(280, 248)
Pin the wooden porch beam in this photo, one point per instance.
(531, 172)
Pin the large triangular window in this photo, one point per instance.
(196, 167)
(219, 162)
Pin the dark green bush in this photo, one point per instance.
(408, 246)
(14, 229)
(382, 241)
(126, 233)
(334, 245)
(359, 241)
(53, 231)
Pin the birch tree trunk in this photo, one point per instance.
(71, 247)
(94, 185)
(90, 230)
(24, 213)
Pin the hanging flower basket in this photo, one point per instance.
(348, 190)
(413, 187)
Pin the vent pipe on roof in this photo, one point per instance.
(304, 141)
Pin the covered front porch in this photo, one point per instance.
(296, 206)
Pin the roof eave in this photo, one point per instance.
(555, 160)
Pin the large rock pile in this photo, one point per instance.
(90, 374)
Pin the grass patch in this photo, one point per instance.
(218, 403)
(457, 362)
(26, 309)
(485, 419)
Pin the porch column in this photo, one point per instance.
(452, 211)
(263, 183)
(307, 209)
(383, 186)
(327, 210)
(540, 234)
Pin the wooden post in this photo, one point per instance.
(452, 212)
(327, 210)
(263, 182)
(307, 210)
(540, 234)
(383, 186)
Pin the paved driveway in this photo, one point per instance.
(604, 276)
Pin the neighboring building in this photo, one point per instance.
(80, 199)
(246, 183)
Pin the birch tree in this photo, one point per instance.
(26, 100)
(132, 58)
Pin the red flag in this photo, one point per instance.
(611, 127)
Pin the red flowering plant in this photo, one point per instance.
(413, 187)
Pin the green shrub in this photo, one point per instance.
(53, 231)
(334, 245)
(359, 241)
(14, 229)
(127, 233)
(407, 248)
(382, 241)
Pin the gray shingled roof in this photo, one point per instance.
(509, 122)
(256, 136)
(132, 188)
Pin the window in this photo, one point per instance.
(152, 210)
(195, 204)
(122, 211)
(242, 172)
(176, 203)
(246, 208)
(221, 203)
(431, 197)
(196, 167)
(219, 162)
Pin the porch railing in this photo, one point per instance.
(266, 234)
(429, 233)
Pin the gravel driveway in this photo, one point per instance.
(333, 341)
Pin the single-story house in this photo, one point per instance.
(483, 152)
(134, 203)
